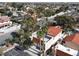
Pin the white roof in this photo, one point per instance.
(61, 13)
(15, 14)
(48, 44)
(8, 29)
(42, 18)
(46, 39)
(77, 29)
(66, 49)
(38, 19)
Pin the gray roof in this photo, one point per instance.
(15, 52)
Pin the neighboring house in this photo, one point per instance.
(12, 50)
(69, 46)
(4, 21)
(5, 32)
(72, 41)
(20, 17)
(53, 35)
(2, 4)
(61, 50)
(6, 28)
(6, 48)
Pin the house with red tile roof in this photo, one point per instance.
(54, 34)
(62, 50)
(72, 41)
(69, 46)
(54, 30)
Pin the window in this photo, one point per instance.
(47, 38)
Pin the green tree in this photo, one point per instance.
(38, 10)
(67, 22)
(48, 12)
(62, 8)
(8, 41)
(22, 36)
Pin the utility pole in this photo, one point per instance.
(43, 47)
(55, 50)
(40, 48)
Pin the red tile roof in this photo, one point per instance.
(74, 38)
(54, 30)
